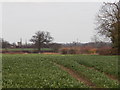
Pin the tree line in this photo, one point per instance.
(107, 22)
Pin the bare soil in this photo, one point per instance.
(108, 75)
(76, 76)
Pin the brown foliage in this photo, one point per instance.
(88, 50)
(70, 50)
(107, 51)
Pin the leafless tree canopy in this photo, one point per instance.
(40, 38)
(108, 22)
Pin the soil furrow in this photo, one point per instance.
(76, 76)
(108, 75)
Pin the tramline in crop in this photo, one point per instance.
(39, 71)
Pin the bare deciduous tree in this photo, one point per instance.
(4, 44)
(40, 38)
(108, 22)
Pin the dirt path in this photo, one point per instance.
(76, 76)
(108, 75)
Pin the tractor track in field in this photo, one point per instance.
(108, 75)
(77, 76)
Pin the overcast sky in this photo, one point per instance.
(66, 21)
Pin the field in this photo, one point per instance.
(0, 71)
(25, 49)
(59, 71)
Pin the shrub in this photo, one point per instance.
(93, 51)
(86, 50)
(64, 50)
(69, 50)
(72, 51)
(105, 51)
(114, 51)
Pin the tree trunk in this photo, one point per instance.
(119, 39)
(39, 49)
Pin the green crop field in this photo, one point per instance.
(25, 49)
(59, 71)
(0, 71)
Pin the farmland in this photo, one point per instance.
(0, 71)
(24, 49)
(59, 71)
